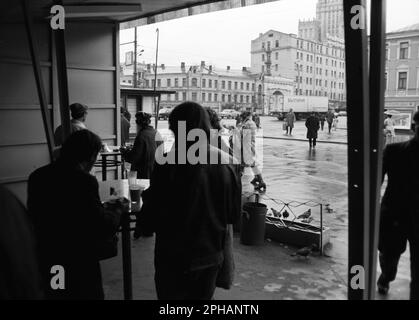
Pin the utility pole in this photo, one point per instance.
(135, 58)
(155, 83)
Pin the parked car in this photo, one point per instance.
(229, 114)
(342, 113)
(164, 113)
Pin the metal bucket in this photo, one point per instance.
(253, 223)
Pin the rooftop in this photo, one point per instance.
(413, 27)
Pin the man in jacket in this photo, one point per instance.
(78, 122)
(190, 223)
(71, 225)
(289, 121)
(399, 222)
(330, 116)
(313, 126)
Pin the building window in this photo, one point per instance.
(194, 96)
(169, 84)
(402, 83)
(229, 98)
(263, 69)
(176, 96)
(385, 80)
(263, 45)
(183, 82)
(159, 83)
(152, 83)
(215, 84)
(253, 87)
(276, 67)
(203, 96)
(223, 84)
(229, 85)
(241, 86)
(210, 83)
(404, 50)
(276, 43)
(247, 86)
(247, 99)
(194, 83)
(184, 96)
(235, 98)
(223, 98)
(263, 57)
(209, 96)
(215, 97)
(147, 83)
(241, 98)
(203, 83)
(387, 52)
(176, 82)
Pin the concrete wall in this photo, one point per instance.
(92, 59)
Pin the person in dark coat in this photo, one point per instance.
(142, 155)
(190, 224)
(330, 116)
(399, 222)
(70, 222)
(78, 113)
(20, 276)
(125, 125)
(312, 125)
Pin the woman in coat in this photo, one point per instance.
(142, 155)
(312, 125)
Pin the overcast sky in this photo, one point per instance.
(223, 38)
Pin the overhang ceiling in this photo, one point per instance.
(133, 12)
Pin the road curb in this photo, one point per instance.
(305, 140)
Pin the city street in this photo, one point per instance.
(292, 172)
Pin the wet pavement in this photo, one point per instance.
(292, 172)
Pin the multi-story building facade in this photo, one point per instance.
(330, 15)
(215, 87)
(318, 68)
(402, 73)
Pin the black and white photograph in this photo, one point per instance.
(209, 155)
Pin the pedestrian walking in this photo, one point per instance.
(289, 122)
(247, 134)
(313, 126)
(330, 116)
(389, 130)
(191, 220)
(322, 120)
(399, 221)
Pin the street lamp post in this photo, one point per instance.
(156, 120)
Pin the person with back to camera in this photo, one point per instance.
(399, 222)
(191, 223)
(71, 225)
(142, 154)
(78, 122)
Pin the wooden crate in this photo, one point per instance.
(293, 236)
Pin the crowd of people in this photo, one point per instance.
(66, 224)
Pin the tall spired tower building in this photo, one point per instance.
(330, 15)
